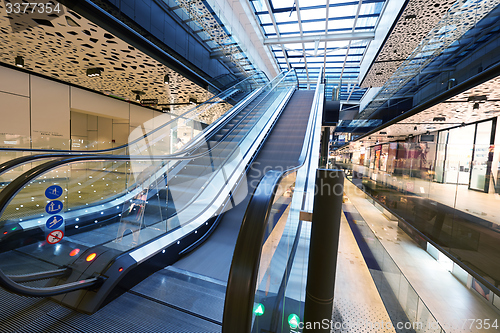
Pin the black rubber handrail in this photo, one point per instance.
(16, 162)
(11, 164)
(242, 281)
(60, 272)
(243, 274)
(9, 192)
(20, 289)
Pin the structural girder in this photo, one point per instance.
(322, 38)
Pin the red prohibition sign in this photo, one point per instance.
(55, 236)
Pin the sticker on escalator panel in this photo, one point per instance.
(53, 192)
(54, 222)
(54, 207)
(55, 236)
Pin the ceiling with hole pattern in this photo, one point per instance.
(64, 45)
(417, 19)
(479, 103)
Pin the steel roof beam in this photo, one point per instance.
(273, 19)
(349, 46)
(322, 38)
(302, 34)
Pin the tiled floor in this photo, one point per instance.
(357, 302)
(451, 302)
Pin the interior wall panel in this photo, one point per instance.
(89, 102)
(15, 120)
(50, 117)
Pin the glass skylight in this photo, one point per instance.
(307, 38)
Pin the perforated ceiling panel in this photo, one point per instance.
(479, 103)
(417, 19)
(65, 45)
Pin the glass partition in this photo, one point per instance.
(120, 203)
(163, 135)
(416, 312)
(274, 266)
(447, 189)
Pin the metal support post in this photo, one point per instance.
(325, 146)
(323, 250)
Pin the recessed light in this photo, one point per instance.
(138, 95)
(93, 72)
(19, 61)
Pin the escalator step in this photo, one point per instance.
(19, 311)
(132, 313)
(182, 289)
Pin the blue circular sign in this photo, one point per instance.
(54, 207)
(54, 222)
(53, 192)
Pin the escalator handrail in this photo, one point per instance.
(11, 164)
(20, 289)
(16, 162)
(209, 101)
(180, 155)
(60, 272)
(18, 184)
(243, 274)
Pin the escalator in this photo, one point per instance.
(203, 274)
(188, 214)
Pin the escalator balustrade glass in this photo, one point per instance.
(83, 212)
(164, 134)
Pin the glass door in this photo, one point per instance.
(479, 177)
(441, 156)
(459, 155)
